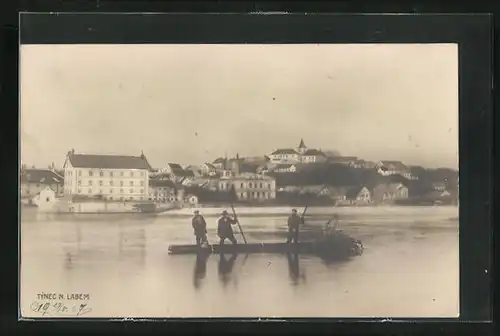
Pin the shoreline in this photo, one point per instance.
(255, 211)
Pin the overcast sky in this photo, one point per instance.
(193, 103)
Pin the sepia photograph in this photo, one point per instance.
(239, 180)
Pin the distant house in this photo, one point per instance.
(344, 160)
(387, 168)
(205, 183)
(176, 173)
(248, 186)
(358, 195)
(338, 193)
(195, 169)
(219, 163)
(172, 168)
(362, 164)
(313, 156)
(384, 193)
(284, 155)
(208, 169)
(45, 199)
(161, 190)
(313, 190)
(33, 181)
(285, 168)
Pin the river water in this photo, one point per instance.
(410, 267)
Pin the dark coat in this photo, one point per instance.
(224, 228)
(294, 222)
(199, 225)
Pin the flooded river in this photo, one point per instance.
(410, 267)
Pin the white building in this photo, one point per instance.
(114, 177)
(250, 186)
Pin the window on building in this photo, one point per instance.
(79, 173)
(121, 183)
(90, 191)
(142, 173)
(111, 174)
(131, 183)
(91, 173)
(79, 190)
(131, 190)
(241, 185)
(101, 173)
(110, 191)
(100, 182)
(142, 191)
(131, 174)
(142, 183)
(121, 191)
(250, 185)
(260, 185)
(100, 191)
(90, 182)
(121, 173)
(110, 183)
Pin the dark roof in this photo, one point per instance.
(43, 176)
(108, 161)
(285, 151)
(209, 165)
(219, 160)
(161, 183)
(302, 144)
(175, 166)
(353, 192)
(314, 152)
(183, 173)
(397, 165)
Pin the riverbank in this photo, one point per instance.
(312, 210)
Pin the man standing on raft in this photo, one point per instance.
(200, 228)
(294, 221)
(224, 229)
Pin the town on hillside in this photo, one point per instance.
(289, 176)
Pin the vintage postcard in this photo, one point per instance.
(239, 180)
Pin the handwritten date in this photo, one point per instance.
(60, 309)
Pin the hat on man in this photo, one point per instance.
(294, 210)
(197, 211)
(224, 212)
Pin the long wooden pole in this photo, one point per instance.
(238, 222)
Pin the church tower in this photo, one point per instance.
(302, 147)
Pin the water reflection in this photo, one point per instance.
(200, 269)
(294, 272)
(132, 245)
(80, 245)
(226, 266)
